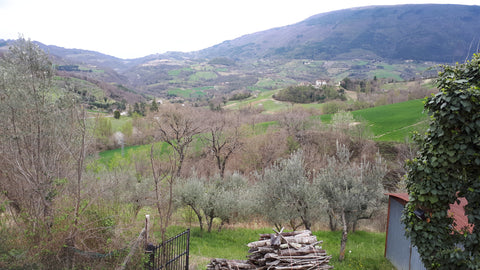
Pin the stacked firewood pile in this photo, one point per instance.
(291, 250)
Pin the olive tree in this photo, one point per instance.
(190, 192)
(286, 193)
(448, 167)
(353, 190)
(223, 198)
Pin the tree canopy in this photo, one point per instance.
(309, 94)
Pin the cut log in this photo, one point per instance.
(261, 243)
(300, 240)
(301, 251)
(268, 235)
(219, 264)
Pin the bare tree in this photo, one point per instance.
(261, 151)
(76, 142)
(164, 176)
(31, 157)
(223, 138)
(295, 120)
(177, 126)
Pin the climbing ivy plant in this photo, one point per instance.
(446, 169)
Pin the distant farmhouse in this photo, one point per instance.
(320, 83)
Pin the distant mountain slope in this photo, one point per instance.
(367, 42)
(88, 71)
(441, 33)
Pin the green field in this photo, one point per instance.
(364, 249)
(395, 121)
(391, 122)
(110, 157)
(189, 93)
(203, 75)
(176, 72)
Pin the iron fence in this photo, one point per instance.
(171, 254)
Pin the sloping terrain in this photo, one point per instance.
(442, 33)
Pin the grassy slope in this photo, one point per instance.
(392, 122)
(395, 121)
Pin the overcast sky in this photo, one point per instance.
(131, 29)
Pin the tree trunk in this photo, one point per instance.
(199, 216)
(221, 225)
(210, 223)
(343, 243)
(331, 221)
(306, 223)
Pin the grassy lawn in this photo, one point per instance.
(367, 248)
(274, 83)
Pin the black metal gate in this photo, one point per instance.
(171, 254)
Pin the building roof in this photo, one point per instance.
(401, 196)
(457, 210)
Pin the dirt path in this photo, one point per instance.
(395, 130)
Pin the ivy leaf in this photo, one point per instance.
(433, 199)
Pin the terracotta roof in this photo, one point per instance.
(457, 210)
(402, 196)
